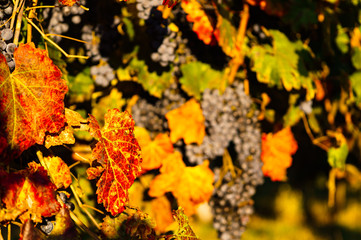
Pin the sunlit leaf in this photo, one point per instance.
(64, 227)
(118, 151)
(68, 2)
(337, 155)
(113, 100)
(59, 171)
(356, 58)
(282, 64)
(30, 192)
(162, 212)
(187, 122)
(152, 82)
(355, 80)
(31, 98)
(198, 76)
(175, 177)
(184, 232)
(153, 151)
(276, 153)
(342, 39)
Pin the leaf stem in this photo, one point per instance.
(238, 60)
(31, 16)
(74, 164)
(82, 225)
(309, 133)
(18, 23)
(53, 43)
(63, 36)
(83, 208)
(16, 4)
(9, 231)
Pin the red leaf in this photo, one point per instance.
(68, 2)
(118, 151)
(30, 192)
(31, 98)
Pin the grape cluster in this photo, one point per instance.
(152, 116)
(231, 123)
(58, 23)
(102, 74)
(6, 46)
(224, 116)
(232, 206)
(165, 53)
(92, 37)
(144, 7)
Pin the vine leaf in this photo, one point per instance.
(118, 152)
(198, 76)
(31, 98)
(153, 151)
(68, 2)
(59, 171)
(134, 224)
(283, 64)
(184, 232)
(162, 213)
(175, 177)
(187, 122)
(28, 192)
(337, 156)
(276, 153)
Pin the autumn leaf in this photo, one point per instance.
(31, 98)
(276, 153)
(184, 232)
(134, 224)
(189, 185)
(187, 122)
(162, 212)
(58, 170)
(29, 232)
(118, 152)
(30, 192)
(153, 152)
(68, 2)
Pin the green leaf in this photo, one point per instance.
(342, 39)
(81, 86)
(198, 76)
(283, 64)
(356, 58)
(228, 37)
(355, 80)
(129, 28)
(337, 156)
(151, 81)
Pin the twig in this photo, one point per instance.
(74, 164)
(238, 59)
(31, 16)
(16, 4)
(82, 208)
(18, 23)
(82, 225)
(315, 141)
(9, 231)
(53, 43)
(63, 36)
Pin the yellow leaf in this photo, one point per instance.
(187, 122)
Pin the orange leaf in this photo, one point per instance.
(187, 122)
(276, 153)
(31, 98)
(189, 185)
(64, 137)
(153, 152)
(68, 2)
(30, 192)
(118, 152)
(162, 212)
(59, 171)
